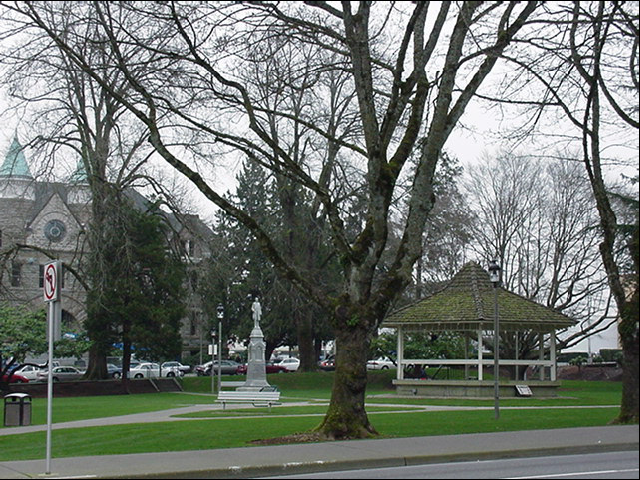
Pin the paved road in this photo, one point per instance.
(607, 465)
(340, 455)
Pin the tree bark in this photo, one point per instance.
(346, 417)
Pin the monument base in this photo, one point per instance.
(251, 388)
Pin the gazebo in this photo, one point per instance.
(466, 305)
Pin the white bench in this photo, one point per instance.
(257, 398)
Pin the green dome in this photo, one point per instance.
(15, 164)
(79, 176)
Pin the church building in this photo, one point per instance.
(41, 218)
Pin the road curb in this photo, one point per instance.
(302, 467)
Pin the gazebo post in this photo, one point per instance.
(466, 355)
(400, 350)
(552, 355)
(517, 342)
(480, 354)
(541, 355)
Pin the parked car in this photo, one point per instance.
(153, 370)
(270, 367)
(328, 364)
(114, 371)
(183, 368)
(61, 374)
(14, 378)
(227, 367)
(380, 364)
(200, 369)
(291, 364)
(28, 371)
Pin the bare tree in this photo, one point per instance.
(584, 70)
(536, 217)
(413, 71)
(71, 116)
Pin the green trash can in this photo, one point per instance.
(17, 410)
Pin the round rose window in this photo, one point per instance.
(54, 230)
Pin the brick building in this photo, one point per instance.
(38, 217)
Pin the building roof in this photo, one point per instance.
(15, 164)
(467, 303)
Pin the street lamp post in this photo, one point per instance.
(494, 276)
(220, 310)
(213, 357)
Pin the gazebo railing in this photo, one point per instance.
(474, 362)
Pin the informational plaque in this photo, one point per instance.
(524, 390)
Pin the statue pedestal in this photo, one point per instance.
(256, 370)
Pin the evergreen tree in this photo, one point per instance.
(141, 304)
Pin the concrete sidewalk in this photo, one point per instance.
(249, 462)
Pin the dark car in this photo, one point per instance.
(200, 369)
(328, 364)
(270, 367)
(227, 367)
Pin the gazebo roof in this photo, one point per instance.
(467, 303)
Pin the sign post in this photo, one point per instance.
(51, 289)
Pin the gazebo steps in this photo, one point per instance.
(473, 388)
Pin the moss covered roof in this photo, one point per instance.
(467, 303)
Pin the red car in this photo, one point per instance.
(270, 367)
(14, 378)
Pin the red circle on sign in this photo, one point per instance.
(50, 280)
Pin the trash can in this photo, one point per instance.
(17, 410)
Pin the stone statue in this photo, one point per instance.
(257, 312)
(256, 366)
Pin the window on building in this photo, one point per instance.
(16, 274)
(193, 323)
(188, 247)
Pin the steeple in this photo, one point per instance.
(79, 192)
(79, 177)
(15, 164)
(16, 180)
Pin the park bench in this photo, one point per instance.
(266, 397)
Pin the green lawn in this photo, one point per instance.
(219, 430)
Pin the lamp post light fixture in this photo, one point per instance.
(494, 276)
(220, 310)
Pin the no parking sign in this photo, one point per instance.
(51, 290)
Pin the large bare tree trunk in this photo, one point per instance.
(346, 416)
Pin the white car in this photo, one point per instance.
(291, 364)
(60, 374)
(380, 364)
(183, 368)
(152, 370)
(29, 371)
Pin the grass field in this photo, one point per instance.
(238, 427)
